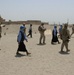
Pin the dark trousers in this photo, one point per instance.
(30, 34)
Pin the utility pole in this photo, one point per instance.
(67, 21)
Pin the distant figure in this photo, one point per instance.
(72, 30)
(5, 33)
(6, 28)
(54, 36)
(20, 39)
(30, 31)
(65, 36)
(60, 30)
(0, 31)
(42, 29)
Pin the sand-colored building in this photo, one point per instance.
(2, 20)
(37, 22)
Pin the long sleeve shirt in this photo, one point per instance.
(19, 37)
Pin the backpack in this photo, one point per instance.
(39, 28)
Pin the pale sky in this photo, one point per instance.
(45, 10)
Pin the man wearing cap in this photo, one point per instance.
(42, 29)
(65, 36)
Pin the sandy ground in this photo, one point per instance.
(44, 59)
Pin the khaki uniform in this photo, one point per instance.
(42, 35)
(65, 36)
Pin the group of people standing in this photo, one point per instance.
(22, 36)
(64, 35)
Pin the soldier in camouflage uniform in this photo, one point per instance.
(65, 36)
(42, 35)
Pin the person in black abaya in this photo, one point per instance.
(54, 36)
(20, 39)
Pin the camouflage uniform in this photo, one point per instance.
(65, 36)
(42, 35)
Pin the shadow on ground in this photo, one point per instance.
(19, 55)
(41, 44)
(64, 52)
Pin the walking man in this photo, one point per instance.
(30, 31)
(65, 36)
(42, 29)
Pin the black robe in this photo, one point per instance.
(21, 46)
(54, 37)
